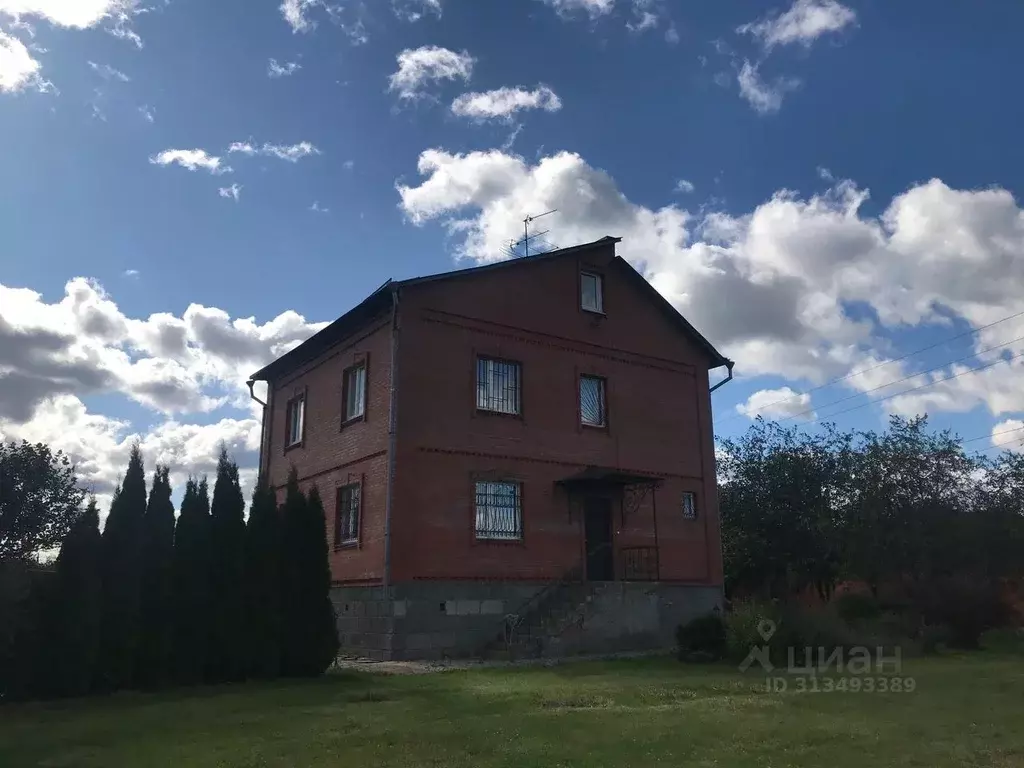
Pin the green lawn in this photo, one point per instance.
(966, 710)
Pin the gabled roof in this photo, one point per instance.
(381, 300)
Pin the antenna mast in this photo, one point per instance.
(527, 237)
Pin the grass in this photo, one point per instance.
(966, 711)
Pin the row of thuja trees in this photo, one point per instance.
(156, 599)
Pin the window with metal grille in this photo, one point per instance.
(689, 506)
(591, 298)
(346, 516)
(355, 392)
(592, 402)
(497, 386)
(295, 420)
(499, 513)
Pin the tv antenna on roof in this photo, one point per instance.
(527, 237)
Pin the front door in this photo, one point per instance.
(597, 525)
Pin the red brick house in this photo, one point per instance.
(520, 452)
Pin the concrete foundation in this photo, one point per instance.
(440, 619)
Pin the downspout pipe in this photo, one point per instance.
(263, 428)
(392, 439)
(729, 364)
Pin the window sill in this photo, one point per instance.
(293, 446)
(353, 544)
(499, 414)
(595, 312)
(486, 540)
(594, 427)
(353, 420)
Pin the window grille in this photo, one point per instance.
(499, 513)
(497, 386)
(592, 401)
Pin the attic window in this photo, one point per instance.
(591, 298)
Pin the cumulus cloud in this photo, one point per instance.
(418, 68)
(646, 14)
(276, 69)
(592, 8)
(18, 70)
(85, 345)
(290, 152)
(776, 404)
(803, 23)
(771, 286)
(414, 10)
(764, 97)
(191, 159)
(503, 103)
(684, 187)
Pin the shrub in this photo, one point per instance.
(743, 625)
(702, 639)
(966, 605)
(853, 607)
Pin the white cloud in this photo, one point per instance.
(776, 404)
(803, 23)
(672, 34)
(684, 187)
(294, 12)
(83, 344)
(1008, 436)
(79, 14)
(275, 69)
(414, 10)
(593, 8)
(419, 67)
(645, 16)
(233, 192)
(147, 113)
(765, 98)
(192, 159)
(317, 208)
(505, 102)
(131, 273)
(290, 152)
(770, 286)
(18, 70)
(107, 72)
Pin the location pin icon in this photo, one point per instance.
(766, 628)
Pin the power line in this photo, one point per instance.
(912, 376)
(915, 389)
(890, 362)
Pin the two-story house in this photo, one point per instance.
(513, 450)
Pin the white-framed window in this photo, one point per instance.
(355, 392)
(499, 512)
(593, 412)
(689, 506)
(295, 420)
(346, 517)
(498, 386)
(591, 294)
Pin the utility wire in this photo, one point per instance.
(915, 389)
(911, 376)
(890, 362)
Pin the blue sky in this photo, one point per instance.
(820, 187)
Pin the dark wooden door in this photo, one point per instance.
(597, 525)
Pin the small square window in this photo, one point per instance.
(689, 506)
(497, 386)
(592, 402)
(346, 519)
(355, 392)
(499, 513)
(591, 298)
(295, 420)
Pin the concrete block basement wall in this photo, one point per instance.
(436, 619)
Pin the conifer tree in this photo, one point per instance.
(153, 665)
(310, 633)
(190, 569)
(74, 632)
(263, 585)
(226, 658)
(121, 569)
